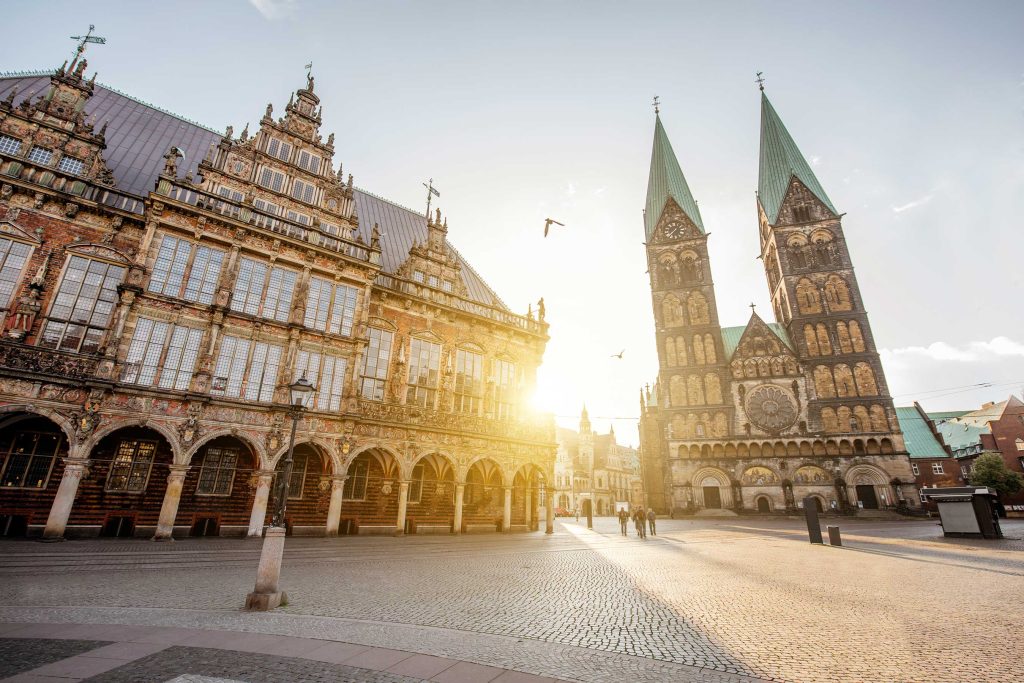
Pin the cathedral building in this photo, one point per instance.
(595, 471)
(759, 417)
(162, 283)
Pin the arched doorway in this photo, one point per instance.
(867, 487)
(712, 489)
(763, 504)
(527, 497)
(484, 500)
(219, 488)
(431, 507)
(32, 452)
(370, 497)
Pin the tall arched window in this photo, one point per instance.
(677, 391)
(681, 351)
(828, 420)
(824, 343)
(694, 391)
(709, 350)
(671, 311)
(879, 423)
(697, 306)
(865, 376)
(811, 340)
(837, 293)
(843, 334)
(698, 349)
(807, 297)
(844, 381)
(670, 350)
(824, 386)
(863, 419)
(713, 388)
(856, 337)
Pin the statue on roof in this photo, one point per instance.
(270, 110)
(540, 309)
(171, 161)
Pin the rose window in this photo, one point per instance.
(771, 408)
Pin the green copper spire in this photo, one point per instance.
(781, 160)
(666, 181)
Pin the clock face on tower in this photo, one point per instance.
(674, 229)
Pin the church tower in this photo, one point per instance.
(693, 375)
(814, 292)
(586, 443)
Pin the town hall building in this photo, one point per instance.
(761, 416)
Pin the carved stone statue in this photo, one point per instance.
(540, 309)
(171, 160)
(270, 110)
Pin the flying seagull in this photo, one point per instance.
(619, 354)
(547, 225)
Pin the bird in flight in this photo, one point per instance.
(547, 225)
(619, 354)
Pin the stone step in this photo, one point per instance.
(712, 512)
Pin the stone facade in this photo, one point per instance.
(759, 417)
(149, 337)
(593, 469)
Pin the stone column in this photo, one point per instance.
(549, 510)
(403, 503)
(529, 508)
(169, 509)
(460, 493)
(60, 510)
(506, 520)
(259, 504)
(334, 508)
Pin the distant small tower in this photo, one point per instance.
(586, 442)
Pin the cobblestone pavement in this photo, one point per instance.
(17, 655)
(716, 600)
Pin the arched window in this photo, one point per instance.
(844, 416)
(824, 252)
(750, 367)
(843, 334)
(677, 391)
(694, 391)
(698, 349)
(844, 381)
(670, 350)
(772, 268)
(713, 388)
(764, 368)
(777, 366)
(828, 420)
(709, 350)
(680, 351)
(671, 311)
(824, 343)
(721, 425)
(856, 337)
(860, 413)
(879, 423)
(837, 293)
(865, 376)
(692, 270)
(811, 340)
(824, 386)
(698, 309)
(668, 269)
(807, 297)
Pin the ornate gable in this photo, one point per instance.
(674, 225)
(761, 352)
(800, 205)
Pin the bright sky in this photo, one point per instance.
(910, 112)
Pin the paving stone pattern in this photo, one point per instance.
(721, 599)
(24, 654)
(240, 666)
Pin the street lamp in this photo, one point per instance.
(267, 595)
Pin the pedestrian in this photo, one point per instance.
(577, 511)
(651, 519)
(640, 520)
(623, 518)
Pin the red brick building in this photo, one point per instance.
(162, 283)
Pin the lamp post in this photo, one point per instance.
(267, 595)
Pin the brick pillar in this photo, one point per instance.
(169, 509)
(529, 508)
(60, 510)
(334, 509)
(259, 504)
(403, 504)
(549, 510)
(460, 494)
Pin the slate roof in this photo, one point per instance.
(139, 134)
(780, 161)
(731, 337)
(920, 441)
(667, 180)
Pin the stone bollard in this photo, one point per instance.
(833, 535)
(267, 594)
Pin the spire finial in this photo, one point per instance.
(657, 104)
(83, 41)
(752, 307)
(760, 80)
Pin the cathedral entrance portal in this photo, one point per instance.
(712, 497)
(866, 495)
(763, 505)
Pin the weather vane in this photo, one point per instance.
(87, 38)
(431, 192)
(760, 80)
(309, 69)
(657, 104)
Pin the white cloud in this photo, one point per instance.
(914, 204)
(815, 161)
(570, 190)
(273, 9)
(972, 352)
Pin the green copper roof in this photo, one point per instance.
(960, 435)
(731, 337)
(781, 160)
(921, 442)
(666, 180)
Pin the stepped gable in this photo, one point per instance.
(139, 135)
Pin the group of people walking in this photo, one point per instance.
(641, 520)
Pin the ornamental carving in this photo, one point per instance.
(771, 408)
(46, 362)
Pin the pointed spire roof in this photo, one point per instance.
(667, 180)
(781, 161)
